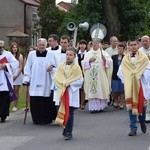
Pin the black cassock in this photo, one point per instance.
(43, 110)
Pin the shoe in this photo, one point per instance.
(115, 105)
(64, 133)
(82, 107)
(99, 111)
(3, 119)
(68, 136)
(132, 133)
(93, 112)
(143, 127)
(121, 107)
(14, 109)
(147, 119)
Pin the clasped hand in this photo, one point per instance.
(92, 59)
(3, 66)
(49, 69)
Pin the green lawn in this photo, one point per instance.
(21, 102)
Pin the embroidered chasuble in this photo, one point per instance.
(62, 80)
(132, 73)
(96, 82)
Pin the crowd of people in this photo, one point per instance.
(60, 78)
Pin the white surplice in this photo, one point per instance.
(12, 64)
(73, 89)
(112, 51)
(35, 73)
(147, 52)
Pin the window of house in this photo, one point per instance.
(35, 16)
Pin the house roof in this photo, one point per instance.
(32, 2)
(66, 6)
(17, 34)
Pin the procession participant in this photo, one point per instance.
(112, 50)
(95, 66)
(55, 48)
(7, 63)
(38, 73)
(81, 53)
(117, 85)
(61, 55)
(53, 42)
(145, 48)
(134, 73)
(105, 45)
(89, 46)
(68, 80)
(17, 77)
(27, 97)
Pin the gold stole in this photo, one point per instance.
(132, 74)
(62, 82)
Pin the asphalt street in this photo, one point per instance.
(102, 131)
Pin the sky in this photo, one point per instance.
(57, 1)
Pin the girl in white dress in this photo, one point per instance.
(17, 77)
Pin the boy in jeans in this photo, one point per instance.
(135, 74)
(68, 80)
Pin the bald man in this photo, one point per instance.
(145, 41)
(112, 50)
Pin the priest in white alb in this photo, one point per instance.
(38, 73)
(7, 63)
(145, 42)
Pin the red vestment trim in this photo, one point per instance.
(141, 100)
(65, 101)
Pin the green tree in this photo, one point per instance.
(132, 19)
(50, 17)
(146, 24)
(123, 18)
(85, 11)
(111, 12)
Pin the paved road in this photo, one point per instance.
(102, 131)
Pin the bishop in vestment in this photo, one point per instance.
(96, 65)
